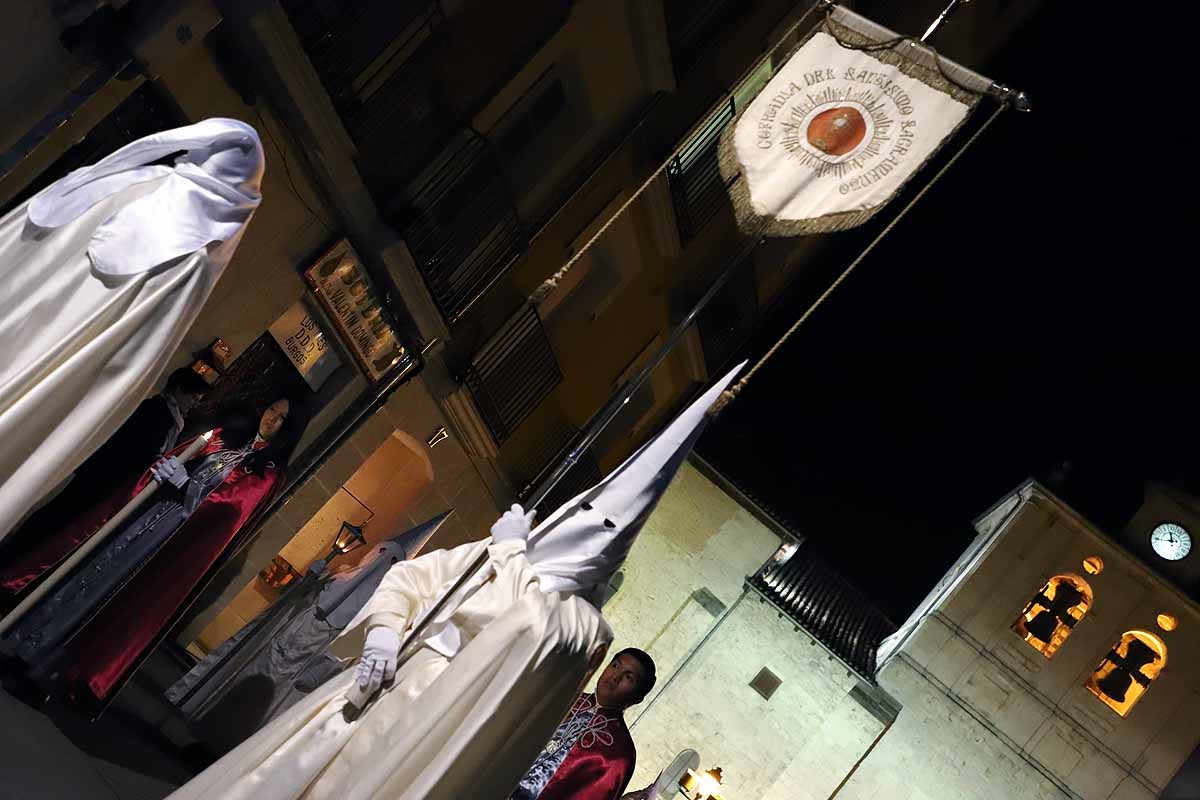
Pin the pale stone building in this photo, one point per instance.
(787, 679)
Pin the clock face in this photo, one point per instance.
(1171, 541)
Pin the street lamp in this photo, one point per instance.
(350, 537)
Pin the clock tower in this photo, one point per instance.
(1163, 534)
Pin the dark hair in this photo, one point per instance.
(646, 684)
(185, 380)
(239, 427)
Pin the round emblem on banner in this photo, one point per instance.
(837, 131)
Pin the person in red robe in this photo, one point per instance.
(149, 433)
(591, 755)
(96, 626)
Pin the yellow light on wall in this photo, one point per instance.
(1093, 565)
(710, 782)
(1167, 622)
(1128, 670)
(704, 784)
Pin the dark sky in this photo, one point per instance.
(1037, 306)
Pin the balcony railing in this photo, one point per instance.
(692, 24)
(460, 224)
(697, 188)
(144, 112)
(729, 319)
(584, 474)
(513, 373)
(535, 467)
(360, 50)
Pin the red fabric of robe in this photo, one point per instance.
(113, 642)
(600, 763)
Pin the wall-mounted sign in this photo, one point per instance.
(303, 339)
(346, 292)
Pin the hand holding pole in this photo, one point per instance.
(97, 539)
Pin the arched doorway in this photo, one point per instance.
(380, 497)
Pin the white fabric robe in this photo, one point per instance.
(101, 275)
(69, 380)
(450, 728)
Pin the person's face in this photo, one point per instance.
(618, 684)
(272, 419)
(187, 402)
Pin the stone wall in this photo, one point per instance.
(936, 751)
(798, 745)
(686, 568)
(682, 594)
(985, 715)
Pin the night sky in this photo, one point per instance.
(1036, 307)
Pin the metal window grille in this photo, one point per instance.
(729, 319)
(529, 465)
(583, 474)
(147, 110)
(692, 25)
(460, 225)
(513, 373)
(555, 445)
(360, 50)
(818, 599)
(697, 188)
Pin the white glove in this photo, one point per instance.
(381, 653)
(514, 524)
(169, 470)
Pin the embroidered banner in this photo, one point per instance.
(851, 115)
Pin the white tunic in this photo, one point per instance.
(450, 728)
(101, 275)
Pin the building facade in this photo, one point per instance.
(465, 152)
(461, 154)
(1050, 662)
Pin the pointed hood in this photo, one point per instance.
(581, 545)
(337, 604)
(413, 541)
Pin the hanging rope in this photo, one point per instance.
(550, 284)
(733, 391)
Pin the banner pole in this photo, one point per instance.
(595, 426)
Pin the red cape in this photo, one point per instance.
(103, 651)
(600, 764)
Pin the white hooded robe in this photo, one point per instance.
(449, 728)
(101, 275)
(494, 674)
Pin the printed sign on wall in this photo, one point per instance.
(350, 298)
(303, 339)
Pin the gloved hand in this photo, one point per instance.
(169, 470)
(381, 653)
(514, 524)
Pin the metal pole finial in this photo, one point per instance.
(941, 18)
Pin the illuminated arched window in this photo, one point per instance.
(1053, 612)
(1128, 670)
